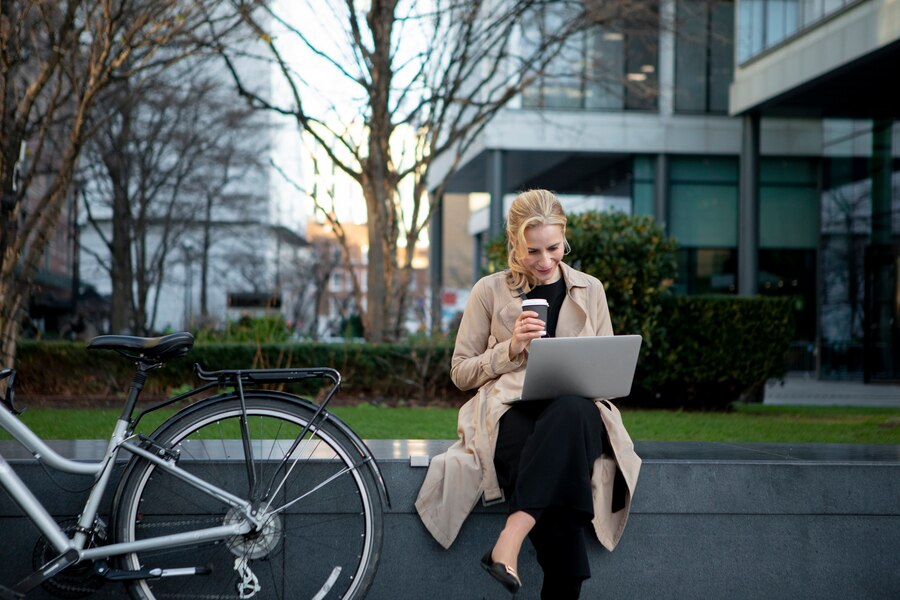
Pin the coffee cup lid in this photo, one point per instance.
(535, 301)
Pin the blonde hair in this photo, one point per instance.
(529, 209)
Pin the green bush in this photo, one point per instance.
(260, 330)
(633, 258)
(717, 349)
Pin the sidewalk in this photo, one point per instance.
(802, 388)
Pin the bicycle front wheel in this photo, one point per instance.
(320, 509)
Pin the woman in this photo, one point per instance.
(541, 456)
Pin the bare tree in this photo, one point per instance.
(313, 272)
(56, 59)
(158, 174)
(432, 74)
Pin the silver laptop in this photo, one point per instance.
(593, 367)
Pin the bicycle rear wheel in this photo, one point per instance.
(322, 525)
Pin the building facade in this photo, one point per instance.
(646, 120)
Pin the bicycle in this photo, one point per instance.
(248, 493)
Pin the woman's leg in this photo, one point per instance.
(544, 457)
(557, 460)
(555, 472)
(509, 543)
(516, 426)
(558, 539)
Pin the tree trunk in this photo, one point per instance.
(204, 261)
(121, 266)
(9, 323)
(376, 284)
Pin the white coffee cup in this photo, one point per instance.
(538, 305)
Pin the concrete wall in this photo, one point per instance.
(709, 521)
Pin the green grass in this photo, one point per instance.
(746, 423)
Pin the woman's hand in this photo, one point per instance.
(528, 327)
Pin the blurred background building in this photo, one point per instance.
(760, 133)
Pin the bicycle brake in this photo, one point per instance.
(171, 454)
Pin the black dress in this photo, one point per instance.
(544, 459)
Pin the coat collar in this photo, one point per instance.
(573, 315)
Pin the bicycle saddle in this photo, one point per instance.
(158, 349)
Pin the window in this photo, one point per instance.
(643, 186)
(766, 23)
(608, 67)
(703, 55)
(706, 270)
(703, 219)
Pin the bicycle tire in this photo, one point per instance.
(325, 545)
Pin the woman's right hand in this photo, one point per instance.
(527, 327)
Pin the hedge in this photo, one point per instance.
(414, 371)
(715, 350)
(711, 351)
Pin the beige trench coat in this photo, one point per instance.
(459, 477)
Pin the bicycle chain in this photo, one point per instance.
(207, 521)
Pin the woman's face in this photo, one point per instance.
(544, 247)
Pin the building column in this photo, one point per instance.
(661, 192)
(880, 171)
(748, 212)
(496, 176)
(436, 262)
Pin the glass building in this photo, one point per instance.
(699, 120)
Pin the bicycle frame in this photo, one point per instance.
(102, 471)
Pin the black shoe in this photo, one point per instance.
(505, 575)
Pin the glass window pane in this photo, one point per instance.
(642, 198)
(831, 6)
(791, 16)
(788, 170)
(644, 168)
(788, 217)
(704, 169)
(605, 69)
(690, 56)
(775, 22)
(565, 74)
(705, 271)
(703, 215)
(641, 80)
(715, 272)
(810, 11)
(756, 17)
(721, 56)
(786, 272)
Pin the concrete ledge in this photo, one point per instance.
(709, 520)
